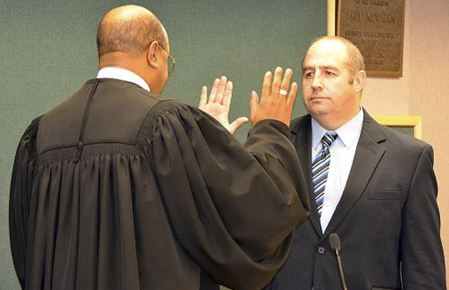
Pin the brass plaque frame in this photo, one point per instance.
(376, 27)
(409, 121)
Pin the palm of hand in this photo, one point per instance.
(219, 112)
(219, 103)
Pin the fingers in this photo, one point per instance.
(285, 84)
(276, 82)
(227, 95)
(253, 104)
(203, 98)
(275, 85)
(277, 99)
(213, 90)
(266, 85)
(292, 95)
(222, 85)
(254, 99)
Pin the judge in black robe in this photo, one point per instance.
(117, 188)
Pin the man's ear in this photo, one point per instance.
(151, 54)
(359, 81)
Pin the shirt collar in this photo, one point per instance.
(123, 75)
(349, 133)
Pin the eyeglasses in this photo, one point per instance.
(171, 62)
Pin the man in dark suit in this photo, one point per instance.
(379, 194)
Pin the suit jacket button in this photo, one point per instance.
(321, 250)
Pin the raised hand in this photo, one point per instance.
(277, 99)
(219, 103)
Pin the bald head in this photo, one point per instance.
(354, 59)
(129, 29)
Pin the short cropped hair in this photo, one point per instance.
(132, 35)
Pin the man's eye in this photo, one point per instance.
(308, 74)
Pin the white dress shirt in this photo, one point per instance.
(122, 74)
(342, 155)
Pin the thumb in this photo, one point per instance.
(254, 102)
(237, 124)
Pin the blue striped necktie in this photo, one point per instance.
(320, 170)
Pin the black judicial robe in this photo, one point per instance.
(118, 189)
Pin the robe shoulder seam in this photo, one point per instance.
(146, 131)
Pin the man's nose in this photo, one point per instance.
(317, 83)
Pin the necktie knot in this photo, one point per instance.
(328, 139)
(326, 142)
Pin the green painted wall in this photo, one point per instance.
(48, 50)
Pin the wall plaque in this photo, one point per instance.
(376, 27)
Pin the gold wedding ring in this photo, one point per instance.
(283, 92)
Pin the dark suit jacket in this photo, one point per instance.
(387, 219)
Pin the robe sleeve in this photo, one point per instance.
(21, 183)
(232, 207)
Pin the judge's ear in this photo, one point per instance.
(151, 54)
(359, 81)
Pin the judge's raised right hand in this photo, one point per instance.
(277, 99)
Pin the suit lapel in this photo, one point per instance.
(368, 154)
(301, 131)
